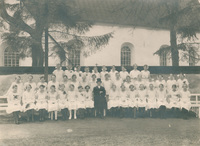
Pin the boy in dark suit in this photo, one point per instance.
(99, 93)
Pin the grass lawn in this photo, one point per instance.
(107, 132)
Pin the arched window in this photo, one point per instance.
(126, 51)
(74, 57)
(11, 58)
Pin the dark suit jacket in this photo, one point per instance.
(99, 94)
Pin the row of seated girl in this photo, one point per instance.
(134, 99)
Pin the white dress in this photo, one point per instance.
(41, 101)
(102, 75)
(92, 84)
(175, 99)
(33, 85)
(69, 73)
(127, 84)
(78, 75)
(142, 98)
(123, 75)
(14, 102)
(89, 103)
(169, 84)
(20, 88)
(87, 75)
(185, 100)
(80, 103)
(112, 75)
(158, 82)
(28, 100)
(145, 75)
(118, 83)
(107, 85)
(113, 99)
(123, 99)
(72, 98)
(59, 75)
(151, 99)
(76, 84)
(62, 101)
(96, 73)
(134, 74)
(133, 99)
(161, 99)
(181, 82)
(52, 102)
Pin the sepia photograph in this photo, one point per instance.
(99, 72)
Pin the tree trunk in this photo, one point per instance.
(174, 50)
(37, 55)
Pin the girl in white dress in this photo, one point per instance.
(53, 102)
(103, 72)
(161, 95)
(113, 101)
(87, 73)
(41, 102)
(128, 82)
(69, 72)
(75, 82)
(174, 97)
(92, 82)
(72, 98)
(135, 72)
(142, 96)
(185, 101)
(63, 102)
(133, 103)
(78, 73)
(20, 86)
(123, 73)
(107, 83)
(145, 73)
(28, 100)
(14, 103)
(112, 73)
(124, 105)
(59, 73)
(151, 100)
(138, 82)
(117, 81)
(84, 82)
(53, 82)
(171, 81)
(96, 72)
(159, 81)
(66, 82)
(41, 82)
(30, 82)
(80, 103)
(181, 80)
(89, 102)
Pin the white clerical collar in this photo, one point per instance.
(99, 86)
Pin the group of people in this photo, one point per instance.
(78, 94)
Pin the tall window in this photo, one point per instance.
(191, 57)
(163, 58)
(11, 58)
(125, 56)
(74, 57)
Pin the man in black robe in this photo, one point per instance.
(99, 93)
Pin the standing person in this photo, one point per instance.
(128, 82)
(89, 101)
(142, 96)
(160, 80)
(87, 73)
(145, 73)
(103, 72)
(133, 95)
(30, 82)
(123, 73)
(107, 83)
(75, 82)
(181, 80)
(72, 98)
(14, 103)
(53, 102)
(41, 102)
(78, 73)
(135, 72)
(99, 98)
(20, 86)
(185, 101)
(28, 100)
(113, 73)
(62, 101)
(59, 73)
(92, 82)
(80, 103)
(96, 72)
(117, 81)
(65, 82)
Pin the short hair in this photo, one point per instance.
(87, 86)
(52, 86)
(41, 86)
(14, 86)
